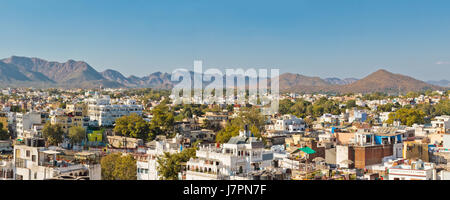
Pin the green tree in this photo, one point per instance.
(125, 168)
(385, 108)
(169, 165)
(228, 132)
(53, 134)
(248, 116)
(117, 166)
(162, 121)
(351, 104)
(300, 108)
(285, 106)
(108, 164)
(77, 134)
(407, 116)
(442, 108)
(132, 126)
(412, 95)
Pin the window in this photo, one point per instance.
(33, 158)
(28, 153)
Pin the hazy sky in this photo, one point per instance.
(326, 38)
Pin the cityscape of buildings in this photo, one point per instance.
(139, 134)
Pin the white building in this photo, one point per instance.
(33, 161)
(357, 116)
(25, 122)
(442, 123)
(147, 164)
(329, 118)
(289, 123)
(415, 170)
(102, 113)
(233, 160)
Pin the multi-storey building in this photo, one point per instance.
(102, 113)
(147, 164)
(289, 123)
(26, 121)
(441, 123)
(412, 170)
(233, 160)
(68, 120)
(33, 161)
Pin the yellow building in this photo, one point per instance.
(75, 115)
(78, 109)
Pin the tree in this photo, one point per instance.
(169, 165)
(407, 116)
(285, 106)
(251, 117)
(442, 108)
(162, 121)
(108, 164)
(300, 108)
(125, 168)
(351, 104)
(76, 134)
(118, 167)
(132, 126)
(225, 134)
(4, 135)
(412, 95)
(386, 107)
(53, 134)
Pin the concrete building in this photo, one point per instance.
(412, 170)
(442, 123)
(25, 122)
(233, 160)
(343, 153)
(289, 124)
(102, 113)
(147, 164)
(33, 161)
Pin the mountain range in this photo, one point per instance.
(442, 83)
(35, 72)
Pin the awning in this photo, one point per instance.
(307, 150)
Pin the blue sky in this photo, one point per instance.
(326, 38)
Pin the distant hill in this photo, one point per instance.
(379, 81)
(300, 83)
(338, 81)
(35, 72)
(69, 74)
(384, 81)
(442, 83)
(154, 80)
